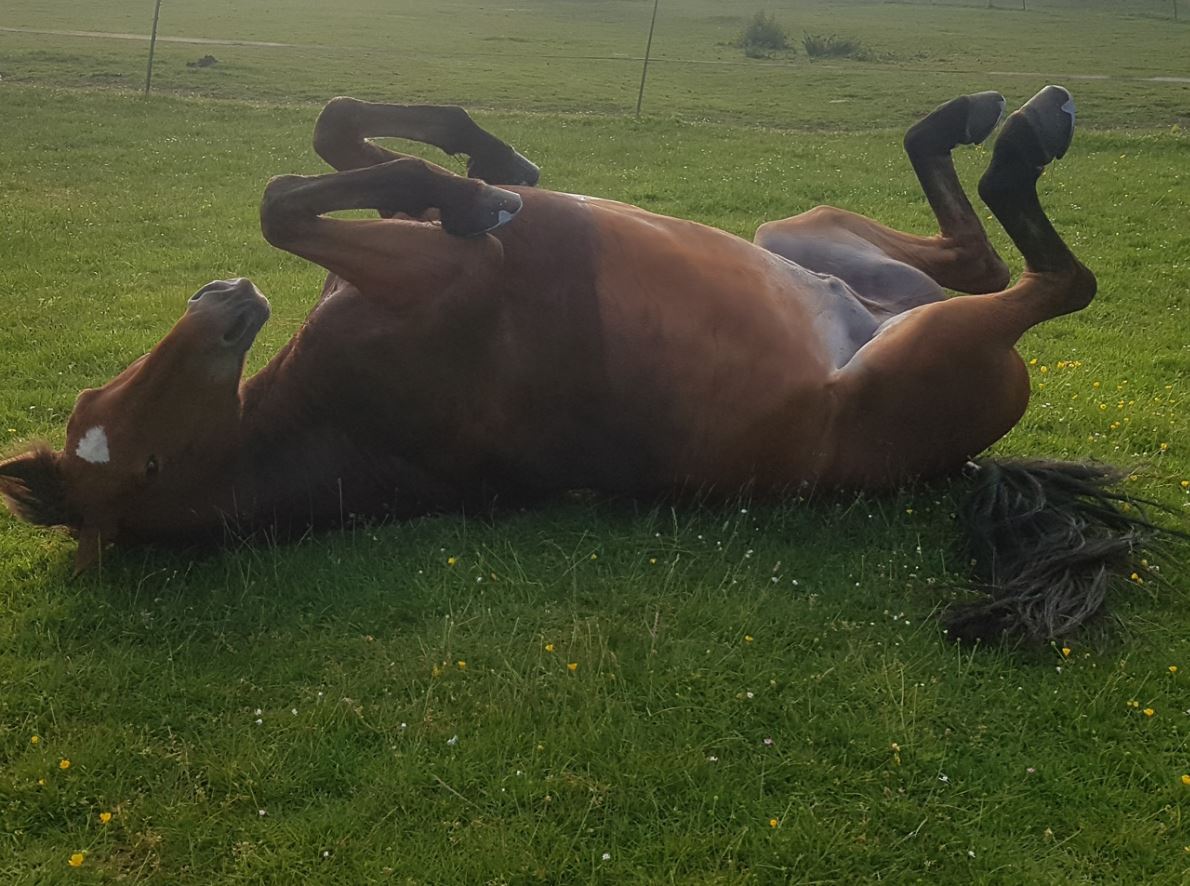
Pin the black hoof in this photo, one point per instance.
(510, 169)
(966, 120)
(984, 110)
(487, 210)
(1051, 115)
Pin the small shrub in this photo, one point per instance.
(833, 46)
(762, 33)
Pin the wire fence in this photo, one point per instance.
(620, 47)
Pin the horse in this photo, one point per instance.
(485, 339)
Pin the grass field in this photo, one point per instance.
(581, 55)
(603, 692)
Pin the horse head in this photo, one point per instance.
(142, 451)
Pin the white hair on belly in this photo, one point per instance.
(93, 447)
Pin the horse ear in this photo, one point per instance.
(31, 486)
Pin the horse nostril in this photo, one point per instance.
(237, 286)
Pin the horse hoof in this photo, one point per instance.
(966, 120)
(489, 209)
(511, 168)
(984, 111)
(1051, 116)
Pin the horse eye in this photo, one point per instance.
(151, 467)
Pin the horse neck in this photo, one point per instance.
(289, 458)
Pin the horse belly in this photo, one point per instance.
(716, 352)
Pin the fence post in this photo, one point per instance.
(640, 96)
(152, 48)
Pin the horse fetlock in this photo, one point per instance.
(276, 216)
(1017, 162)
(334, 120)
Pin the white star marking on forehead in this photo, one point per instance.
(93, 447)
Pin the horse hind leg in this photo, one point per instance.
(968, 262)
(1034, 136)
(343, 130)
(935, 389)
(893, 269)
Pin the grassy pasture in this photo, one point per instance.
(697, 635)
(583, 56)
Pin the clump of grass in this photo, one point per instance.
(762, 35)
(834, 46)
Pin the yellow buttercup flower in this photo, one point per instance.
(462, 665)
(572, 666)
(34, 739)
(747, 638)
(1186, 780)
(1173, 669)
(105, 817)
(773, 822)
(451, 561)
(549, 647)
(1149, 712)
(76, 860)
(1066, 652)
(63, 763)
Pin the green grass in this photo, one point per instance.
(148, 677)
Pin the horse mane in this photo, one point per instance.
(32, 487)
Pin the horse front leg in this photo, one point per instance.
(378, 252)
(343, 128)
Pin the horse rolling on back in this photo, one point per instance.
(487, 339)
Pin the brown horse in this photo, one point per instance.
(487, 339)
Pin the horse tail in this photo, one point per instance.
(1046, 540)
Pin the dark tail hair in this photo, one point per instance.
(1046, 540)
